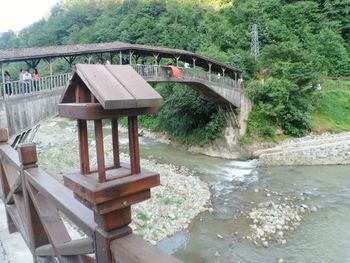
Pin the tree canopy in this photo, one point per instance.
(299, 41)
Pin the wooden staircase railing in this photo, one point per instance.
(35, 204)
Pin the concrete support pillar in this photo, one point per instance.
(194, 62)
(246, 107)
(120, 58)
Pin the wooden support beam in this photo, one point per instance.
(89, 111)
(100, 151)
(83, 135)
(115, 142)
(71, 248)
(134, 145)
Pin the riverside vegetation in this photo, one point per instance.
(300, 42)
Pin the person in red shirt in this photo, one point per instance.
(36, 80)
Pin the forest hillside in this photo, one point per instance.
(301, 44)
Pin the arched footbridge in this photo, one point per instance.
(25, 103)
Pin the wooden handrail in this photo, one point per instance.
(63, 198)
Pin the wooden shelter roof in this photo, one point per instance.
(25, 54)
(114, 86)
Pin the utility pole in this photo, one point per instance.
(254, 49)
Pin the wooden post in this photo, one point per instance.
(115, 142)
(134, 145)
(83, 136)
(37, 237)
(100, 151)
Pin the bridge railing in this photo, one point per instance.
(46, 83)
(186, 74)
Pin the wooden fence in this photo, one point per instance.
(36, 204)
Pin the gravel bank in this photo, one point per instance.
(325, 149)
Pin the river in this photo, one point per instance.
(237, 187)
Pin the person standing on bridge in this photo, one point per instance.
(36, 80)
(27, 77)
(8, 87)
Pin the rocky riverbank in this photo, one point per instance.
(325, 149)
(179, 198)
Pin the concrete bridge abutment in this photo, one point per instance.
(19, 113)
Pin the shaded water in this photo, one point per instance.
(322, 237)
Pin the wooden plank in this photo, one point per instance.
(74, 247)
(116, 204)
(52, 223)
(105, 87)
(13, 212)
(16, 188)
(134, 145)
(11, 172)
(19, 202)
(137, 86)
(91, 111)
(133, 249)
(63, 198)
(100, 151)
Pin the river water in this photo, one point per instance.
(237, 187)
(323, 237)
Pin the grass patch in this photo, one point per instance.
(332, 109)
(328, 84)
(142, 217)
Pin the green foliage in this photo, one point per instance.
(299, 41)
(190, 117)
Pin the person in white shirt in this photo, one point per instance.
(27, 77)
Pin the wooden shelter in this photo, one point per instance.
(98, 92)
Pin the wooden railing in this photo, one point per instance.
(37, 206)
(14, 88)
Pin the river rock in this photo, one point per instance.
(313, 209)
